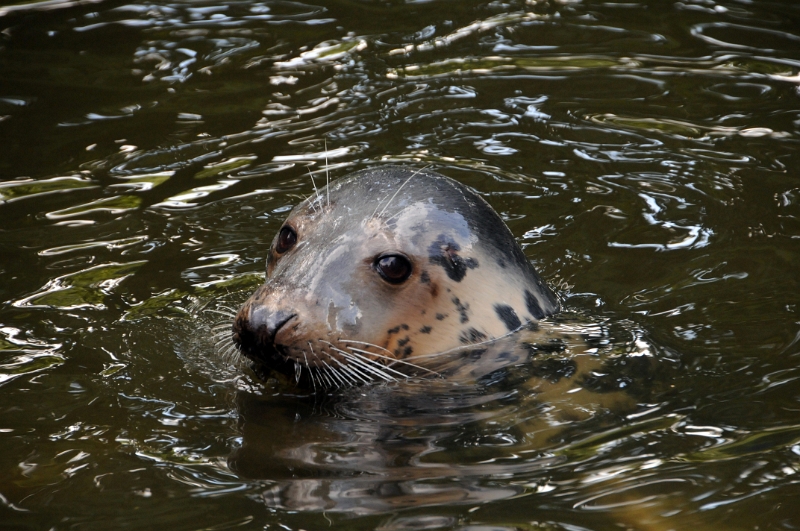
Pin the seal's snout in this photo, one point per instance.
(256, 327)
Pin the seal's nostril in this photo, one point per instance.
(265, 323)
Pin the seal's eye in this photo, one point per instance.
(287, 237)
(394, 268)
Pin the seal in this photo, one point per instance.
(381, 272)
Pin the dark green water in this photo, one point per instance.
(645, 154)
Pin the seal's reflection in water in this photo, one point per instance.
(438, 441)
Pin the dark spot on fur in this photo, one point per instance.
(403, 352)
(506, 355)
(393, 330)
(501, 263)
(508, 316)
(471, 335)
(402, 342)
(434, 290)
(444, 253)
(462, 310)
(425, 330)
(440, 316)
(424, 277)
(533, 305)
(473, 354)
(404, 326)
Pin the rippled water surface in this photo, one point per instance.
(644, 154)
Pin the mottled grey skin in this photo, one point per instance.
(327, 318)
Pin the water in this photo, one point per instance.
(644, 154)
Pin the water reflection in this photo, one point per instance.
(643, 153)
(436, 442)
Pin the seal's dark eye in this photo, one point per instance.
(287, 237)
(394, 268)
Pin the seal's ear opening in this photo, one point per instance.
(393, 268)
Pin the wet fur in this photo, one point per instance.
(341, 325)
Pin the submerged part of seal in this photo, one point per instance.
(379, 273)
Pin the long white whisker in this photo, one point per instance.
(353, 372)
(313, 183)
(395, 360)
(320, 374)
(417, 172)
(364, 363)
(226, 314)
(334, 373)
(366, 344)
(219, 342)
(348, 356)
(310, 374)
(355, 350)
(327, 173)
(315, 378)
(391, 354)
(344, 373)
(313, 206)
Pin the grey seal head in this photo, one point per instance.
(381, 271)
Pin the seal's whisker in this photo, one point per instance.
(351, 371)
(324, 382)
(373, 345)
(233, 355)
(327, 173)
(220, 330)
(395, 360)
(357, 351)
(229, 308)
(330, 369)
(359, 371)
(226, 314)
(230, 355)
(313, 207)
(221, 346)
(220, 341)
(223, 333)
(310, 374)
(314, 184)
(314, 378)
(364, 364)
(298, 368)
(347, 379)
(317, 367)
(331, 375)
(319, 371)
(389, 202)
(323, 373)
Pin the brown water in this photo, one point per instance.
(645, 154)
